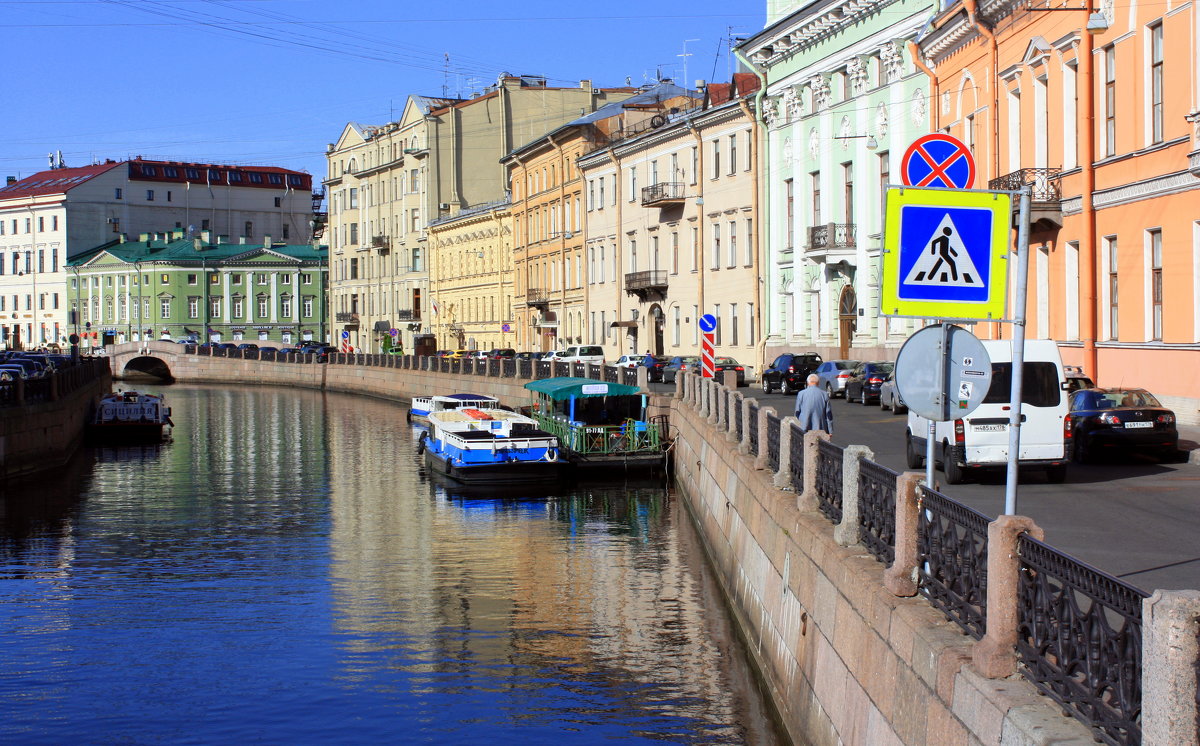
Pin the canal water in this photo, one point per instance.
(283, 571)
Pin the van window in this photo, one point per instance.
(1039, 386)
(590, 351)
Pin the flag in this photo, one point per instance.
(434, 305)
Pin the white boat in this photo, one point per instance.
(126, 416)
(423, 405)
(490, 446)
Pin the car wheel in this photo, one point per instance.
(785, 388)
(954, 473)
(1056, 474)
(911, 456)
(829, 392)
(766, 385)
(896, 409)
(862, 394)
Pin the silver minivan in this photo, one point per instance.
(980, 440)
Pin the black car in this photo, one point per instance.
(678, 364)
(722, 364)
(865, 380)
(1121, 420)
(789, 371)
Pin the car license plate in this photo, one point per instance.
(1139, 424)
(989, 428)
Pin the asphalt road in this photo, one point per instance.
(1134, 518)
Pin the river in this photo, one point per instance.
(283, 571)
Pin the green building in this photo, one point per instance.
(167, 286)
(843, 100)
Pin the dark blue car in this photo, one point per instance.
(1121, 421)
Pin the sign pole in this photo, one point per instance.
(1018, 355)
(942, 398)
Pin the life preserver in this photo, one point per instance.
(551, 455)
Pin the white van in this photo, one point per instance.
(581, 354)
(980, 440)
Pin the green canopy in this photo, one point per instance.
(561, 389)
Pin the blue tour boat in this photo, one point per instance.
(423, 405)
(490, 446)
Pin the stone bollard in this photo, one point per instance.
(995, 655)
(763, 461)
(729, 379)
(721, 409)
(783, 477)
(807, 499)
(679, 390)
(715, 394)
(1170, 650)
(901, 577)
(643, 378)
(848, 532)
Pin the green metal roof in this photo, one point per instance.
(561, 389)
(184, 251)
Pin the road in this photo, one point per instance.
(1135, 518)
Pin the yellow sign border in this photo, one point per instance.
(993, 309)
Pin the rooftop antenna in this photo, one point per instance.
(685, 54)
(446, 76)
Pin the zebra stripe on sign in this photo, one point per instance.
(706, 355)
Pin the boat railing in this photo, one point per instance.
(631, 436)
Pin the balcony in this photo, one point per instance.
(408, 314)
(537, 297)
(644, 284)
(831, 236)
(665, 194)
(349, 318)
(1045, 208)
(383, 243)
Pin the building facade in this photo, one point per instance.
(471, 279)
(1094, 109)
(671, 229)
(388, 183)
(171, 287)
(844, 100)
(55, 214)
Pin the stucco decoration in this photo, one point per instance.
(893, 63)
(918, 107)
(844, 132)
(945, 102)
(771, 111)
(857, 72)
(814, 143)
(820, 89)
(1109, 9)
(881, 120)
(791, 104)
(787, 150)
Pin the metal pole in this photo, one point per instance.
(1018, 355)
(931, 434)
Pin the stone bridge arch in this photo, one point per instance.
(155, 359)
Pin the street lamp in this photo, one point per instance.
(872, 143)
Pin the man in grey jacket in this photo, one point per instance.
(812, 407)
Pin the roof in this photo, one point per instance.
(54, 181)
(656, 95)
(563, 388)
(466, 397)
(180, 249)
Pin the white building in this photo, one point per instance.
(49, 216)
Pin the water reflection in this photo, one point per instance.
(285, 570)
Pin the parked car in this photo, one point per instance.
(1077, 379)
(247, 346)
(323, 353)
(461, 354)
(629, 361)
(551, 356)
(501, 353)
(582, 354)
(889, 395)
(832, 376)
(789, 371)
(678, 364)
(865, 380)
(1122, 420)
(528, 356)
(722, 364)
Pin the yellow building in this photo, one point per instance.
(471, 279)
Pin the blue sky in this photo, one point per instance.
(273, 81)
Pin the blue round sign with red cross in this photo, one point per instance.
(938, 160)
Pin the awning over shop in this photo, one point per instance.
(563, 388)
(627, 324)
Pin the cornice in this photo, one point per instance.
(788, 39)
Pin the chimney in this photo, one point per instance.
(11, 180)
(267, 242)
(585, 85)
(198, 244)
(143, 237)
(206, 236)
(121, 237)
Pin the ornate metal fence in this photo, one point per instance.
(797, 462)
(773, 441)
(877, 509)
(545, 369)
(829, 480)
(737, 421)
(752, 424)
(629, 376)
(1079, 640)
(952, 573)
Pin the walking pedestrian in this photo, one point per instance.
(812, 407)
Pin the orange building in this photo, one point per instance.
(1096, 108)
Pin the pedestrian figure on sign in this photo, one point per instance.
(945, 253)
(812, 407)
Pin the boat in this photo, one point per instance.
(599, 425)
(489, 446)
(130, 417)
(423, 405)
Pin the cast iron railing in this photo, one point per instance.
(627, 437)
(877, 509)
(738, 429)
(545, 369)
(773, 441)
(525, 368)
(508, 368)
(1046, 183)
(669, 192)
(796, 464)
(752, 424)
(829, 480)
(952, 545)
(831, 236)
(629, 376)
(1079, 640)
(612, 373)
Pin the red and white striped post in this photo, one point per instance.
(708, 324)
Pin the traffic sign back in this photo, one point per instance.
(939, 161)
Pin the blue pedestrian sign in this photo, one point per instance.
(938, 160)
(345, 335)
(708, 323)
(945, 254)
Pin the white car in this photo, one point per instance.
(630, 361)
(551, 356)
(582, 354)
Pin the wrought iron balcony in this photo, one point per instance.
(537, 297)
(1046, 183)
(407, 314)
(456, 327)
(348, 318)
(644, 283)
(383, 243)
(831, 236)
(664, 194)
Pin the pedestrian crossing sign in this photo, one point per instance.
(945, 254)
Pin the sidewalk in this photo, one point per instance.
(1189, 443)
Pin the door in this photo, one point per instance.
(847, 320)
(659, 320)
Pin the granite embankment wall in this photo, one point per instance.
(43, 433)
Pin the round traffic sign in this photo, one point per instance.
(967, 366)
(345, 335)
(938, 160)
(394, 332)
(708, 323)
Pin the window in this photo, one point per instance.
(716, 159)
(214, 279)
(601, 192)
(41, 224)
(848, 192)
(789, 229)
(733, 324)
(749, 242)
(732, 243)
(716, 245)
(117, 194)
(262, 307)
(717, 316)
(214, 307)
(1110, 100)
(237, 308)
(1156, 84)
(732, 153)
(675, 328)
(307, 307)
(815, 180)
(306, 279)
(1110, 245)
(248, 229)
(415, 220)
(285, 307)
(164, 279)
(632, 183)
(193, 307)
(236, 279)
(168, 195)
(1156, 285)
(164, 308)
(695, 165)
(353, 233)
(149, 195)
(674, 252)
(191, 279)
(262, 278)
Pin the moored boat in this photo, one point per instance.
(423, 405)
(127, 416)
(599, 425)
(490, 446)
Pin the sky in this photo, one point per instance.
(272, 82)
